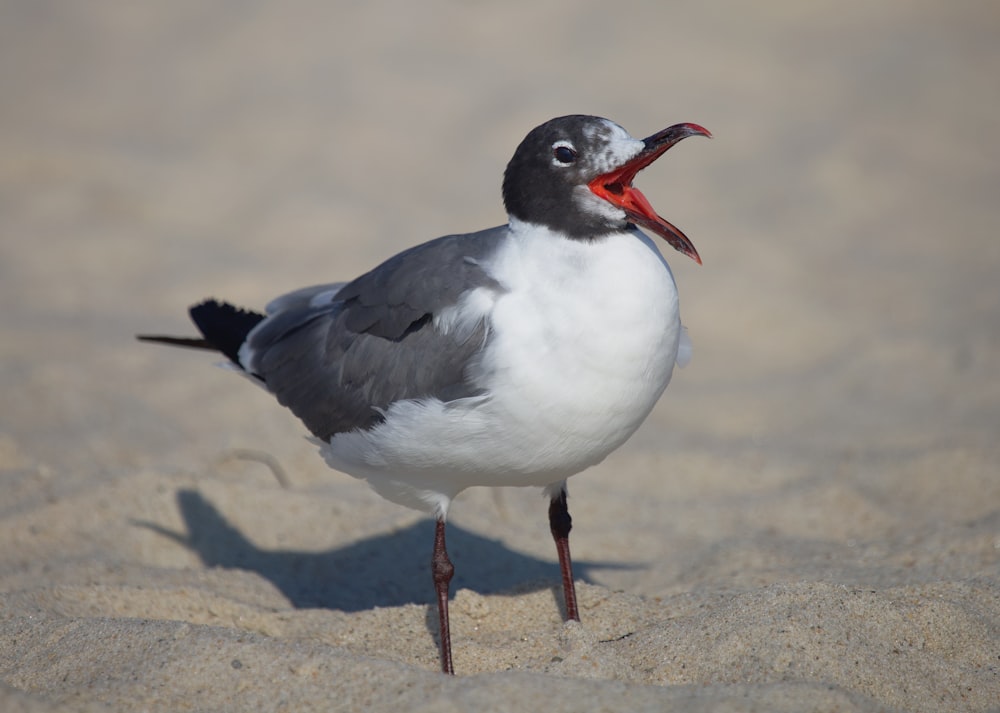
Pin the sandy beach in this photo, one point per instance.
(808, 521)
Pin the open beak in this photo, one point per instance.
(616, 186)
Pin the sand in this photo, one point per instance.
(809, 520)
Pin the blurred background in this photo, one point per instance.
(847, 209)
(818, 487)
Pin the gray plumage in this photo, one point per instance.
(339, 357)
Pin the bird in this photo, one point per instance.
(518, 355)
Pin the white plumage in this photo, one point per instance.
(583, 338)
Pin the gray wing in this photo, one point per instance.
(304, 297)
(339, 358)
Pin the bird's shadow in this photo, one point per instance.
(382, 571)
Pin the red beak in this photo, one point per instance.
(616, 186)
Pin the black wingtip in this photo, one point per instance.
(189, 342)
(224, 326)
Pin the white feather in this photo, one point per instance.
(583, 341)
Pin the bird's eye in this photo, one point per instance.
(563, 154)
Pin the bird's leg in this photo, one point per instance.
(560, 523)
(443, 571)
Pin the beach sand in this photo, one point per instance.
(809, 520)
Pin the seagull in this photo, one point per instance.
(513, 356)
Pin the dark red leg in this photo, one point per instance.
(560, 523)
(443, 571)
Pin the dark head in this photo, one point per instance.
(574, 175)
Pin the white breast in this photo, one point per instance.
(583, 342)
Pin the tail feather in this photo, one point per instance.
(223, 326)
